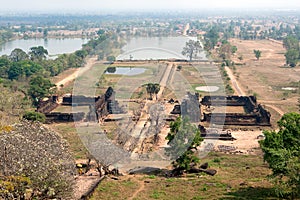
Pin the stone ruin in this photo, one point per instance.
(99, 107)
(190, 107)
(254, 115)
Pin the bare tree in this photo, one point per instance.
(156, 112)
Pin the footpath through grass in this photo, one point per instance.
(238, 177)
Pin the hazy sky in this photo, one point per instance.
(102, 5)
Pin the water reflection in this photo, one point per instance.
(128, 71)
(53, 45)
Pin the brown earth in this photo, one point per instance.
(266, 77)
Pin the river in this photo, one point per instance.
(53, 45)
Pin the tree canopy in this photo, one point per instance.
(211, 38)
(282, 152)
(292, 57)
(184, 138)
(152, 88)
(39, 88)
(38, 53)
(191, 49)
(291, 43)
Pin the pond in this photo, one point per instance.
(53, 45)
(128, 71)
(148, 48)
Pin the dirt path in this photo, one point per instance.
(141, 188)
(278, 110)
(237, 89)
(164, 80)
(89, 63)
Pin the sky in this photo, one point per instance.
(139, 5)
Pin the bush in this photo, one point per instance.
(111, 58)
(34, 116)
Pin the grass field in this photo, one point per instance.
(238, 177)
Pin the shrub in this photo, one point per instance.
(34, 116)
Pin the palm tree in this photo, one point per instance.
(152, 88)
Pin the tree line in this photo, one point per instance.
(292, 55)
(30, 72)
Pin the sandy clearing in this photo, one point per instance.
(89, 63)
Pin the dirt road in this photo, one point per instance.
(89, 63)
(164, 80)
(237, 89)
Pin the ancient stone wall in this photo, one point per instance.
(65, 117)
(254, 114)
(47, 106)
(79, 100)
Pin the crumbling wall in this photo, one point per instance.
(65, 117)
(190, 108)
(79, 100)
(254, 114)
(248, 101)
(47, 106)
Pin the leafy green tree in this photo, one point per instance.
(233, 49)
(257, 54)
(282, 152)
(75, 61)
(38, 53)
(291, 42)
(292, 57)
(39, 88)
(211, 38)
(81, 53)
(23, 68)
(12, 105)
(18, 55)
(4, 67)
(184, 138)
(15, 71)
(191, 49)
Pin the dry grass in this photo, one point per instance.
(238, 177)
(266, 77)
